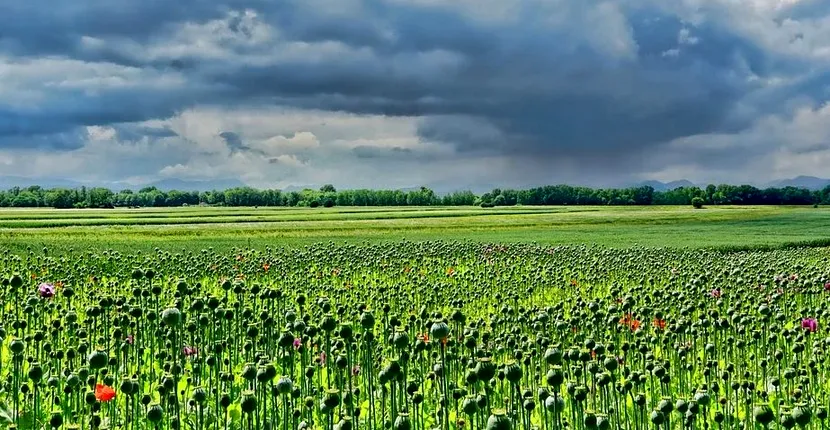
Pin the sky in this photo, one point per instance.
(402, 93)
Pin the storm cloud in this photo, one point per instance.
(407, 91)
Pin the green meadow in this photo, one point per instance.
(726, 227)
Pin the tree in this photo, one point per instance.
(697, 202)
(100, 198)
(59, 198)
(25, 199)
(328, 188)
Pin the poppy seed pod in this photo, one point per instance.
(499, 420)
(328, 324)
(249, 371)
(802, 414)
(172, 317)
(400, 339)
(284, 385)
(657, 418)
(332, 398)
(402, 422)
(702, 398)
(439, 330)
(137, 274)
(555, 404)
(346, 332)
(786, 420)
(763, 414)
(17, 347)
(553, 356)
(155, 413)
(35, 372)
(367, 320)
(97, 359)
(555, 376)
(345, 423)
(126, 386)
(580, 393)
(199, 396)
(469, 406)
(513, 372)
(56, 419)
(248, 403)
(589, 420)
(485, 369)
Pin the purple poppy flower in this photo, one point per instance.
(47, 291)
(322, 359)
(827, 287)
(356, 370)
(297, 343)
(809, 324)
(189, 351)
(716, 293)
(130, 339)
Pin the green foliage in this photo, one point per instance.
(194, 228)
(561, 195)
(697, 202)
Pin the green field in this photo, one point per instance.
(224, 228)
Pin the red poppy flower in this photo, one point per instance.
(628, 320)
(660, 324)
(104, 393)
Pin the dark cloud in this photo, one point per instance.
(589, 80)
(234, 141)
(372, 152)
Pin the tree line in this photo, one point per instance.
(328, 196)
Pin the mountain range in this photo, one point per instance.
(6, 182)
(810, 182)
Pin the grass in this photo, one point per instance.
(728, 227)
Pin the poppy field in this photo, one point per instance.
(415, 335)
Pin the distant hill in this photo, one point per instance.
(7, 182)
(185, 185)
(667, 186)
(809, 182)
(298, 188)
